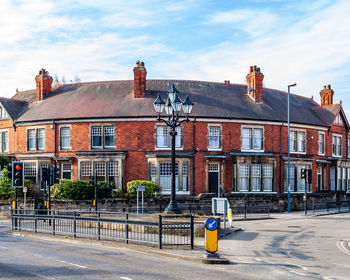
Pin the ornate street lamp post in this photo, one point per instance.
(172, 108)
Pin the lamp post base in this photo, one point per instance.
(172, 208)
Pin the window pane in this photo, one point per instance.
(65, 137)
(267, 177)
(214, 137)
(165, 175)
(244, 177)
(246, 138)
(178, 137)
(338, 146)
(86, 168)
(321, 143)
(41, 139)
(4, 144)
(300, 181)
(162, 136)
(96, 134)
(332, 178)
(108, 136)
(257, 139)
(185, 186)
(29, 169)
(256, 174)
(293, 141)
(301, 141)
(100, 169)
(31, 139)
(291, 178)
(66, 171)
(334, 144)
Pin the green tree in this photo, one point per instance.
(151, 188)
(6, 190)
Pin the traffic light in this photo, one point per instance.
(55, 175)
(45, 174)
(18, 174)
(303, 171)
(309, 176)
(9, 171)
(93, 180)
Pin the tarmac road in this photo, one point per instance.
(308, 247)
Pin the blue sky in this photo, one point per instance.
(306, 42)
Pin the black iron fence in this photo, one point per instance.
(157, 230)
(331, 206)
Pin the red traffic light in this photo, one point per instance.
(18, 167)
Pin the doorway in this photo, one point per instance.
(214, 178)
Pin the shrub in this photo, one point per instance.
(73, 190)
(32, 189)
(151, 188)
(3, 161)
(6, 190)
(104, 190)
(80, 190)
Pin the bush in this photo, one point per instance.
(4, 161)
(72, 190)
(32, 189)
(104, 190)
(80, 190)
(6, 190)
(151, 188)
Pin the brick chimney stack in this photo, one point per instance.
(140, 74)
(326, 95)
(43, 84)
(255, 84)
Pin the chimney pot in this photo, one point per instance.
(137, 63)
(329, 86)
(251, 69)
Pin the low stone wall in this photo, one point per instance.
(198, 204)
(5, 210)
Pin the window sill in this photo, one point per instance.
(177, 192)
(321, 154)
(253, 192)
(301, 153)
(168, 149)
(252, 151)
(215, 149)
(336, 156)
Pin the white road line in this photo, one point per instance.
(125, 278)
(298, 273)
(2, 247)
(341, 246)
(72, 264)
(42, 276)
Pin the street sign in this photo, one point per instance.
(25, 189)
(211, 235)
(140, 188)
(219, 205)
(211, 224)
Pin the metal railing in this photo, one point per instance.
(331, 206)
(156, 230)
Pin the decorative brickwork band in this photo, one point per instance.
(326, 95)
(43, 84)
(255, 84)
(140, 74)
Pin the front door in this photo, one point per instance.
(213, 178)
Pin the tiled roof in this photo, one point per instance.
(14, 107)
(212, 100)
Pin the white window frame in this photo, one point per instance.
(337, 137)
(62, 135)
(165, 144)
(2, 134)
(252, 138)
(101, 127)
(211, 147)
(297, 149)
(321, 143)
(36, 138)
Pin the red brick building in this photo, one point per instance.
(236, 139)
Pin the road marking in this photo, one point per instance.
(72, 264)
(298, 273)
(125, 278)
(341, 246)
(2, 247)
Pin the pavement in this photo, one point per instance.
(198, 254)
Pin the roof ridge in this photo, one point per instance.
(194, 81)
